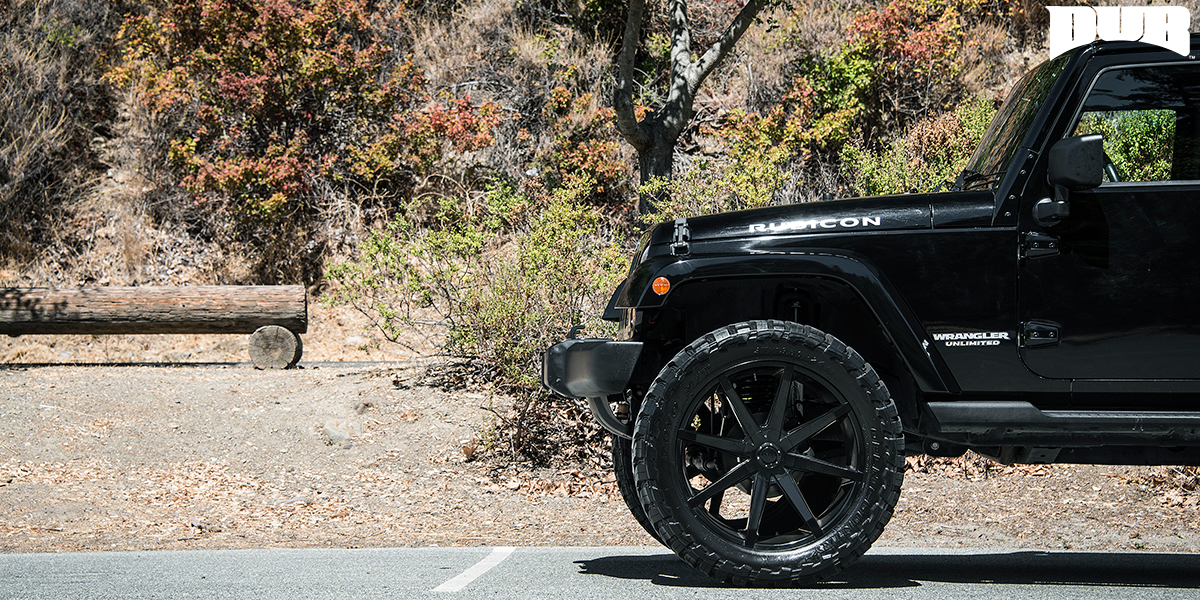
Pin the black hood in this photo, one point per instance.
(876, 213)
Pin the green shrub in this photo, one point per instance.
(902, 61)
(701, 188)
(834, 91)
(1139, 143)
(759, 148)
(930, 154)
(496, 282)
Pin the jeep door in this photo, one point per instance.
(1119, 297)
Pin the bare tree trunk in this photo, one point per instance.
(657, 161)
(654, 138)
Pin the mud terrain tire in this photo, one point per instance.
(622, 458)
(768, 453)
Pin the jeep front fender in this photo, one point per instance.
(891, 312)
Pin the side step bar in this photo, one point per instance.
(1009, 422)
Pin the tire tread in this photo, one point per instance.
(650, 418)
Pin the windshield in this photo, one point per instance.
(1010, 125)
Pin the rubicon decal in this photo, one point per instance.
(972, 338)
(816, 224)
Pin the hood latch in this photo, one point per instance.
(683, 236)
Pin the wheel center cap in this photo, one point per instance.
(769, 454)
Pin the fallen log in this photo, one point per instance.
(275, 315)
(134, 310)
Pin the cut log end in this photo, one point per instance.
(275, 347)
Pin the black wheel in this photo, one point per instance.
(768, 453)
(622, 458)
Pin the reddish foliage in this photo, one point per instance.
(271, 95)
(917, 35)
(585, 145)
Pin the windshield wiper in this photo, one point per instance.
(969, 179)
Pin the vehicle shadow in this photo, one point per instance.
(900, 569)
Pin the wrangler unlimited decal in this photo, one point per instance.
(813, 224)
(974, 338)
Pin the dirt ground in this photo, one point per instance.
(216, 454)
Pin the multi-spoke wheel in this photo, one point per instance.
(768, 453)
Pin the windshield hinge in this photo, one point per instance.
(1037, 245)
(680, 245)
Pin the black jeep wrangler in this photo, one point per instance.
(774, 366)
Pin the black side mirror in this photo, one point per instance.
(1076, 163)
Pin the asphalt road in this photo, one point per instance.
(570, 573)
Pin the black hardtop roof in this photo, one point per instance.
(1125, 47)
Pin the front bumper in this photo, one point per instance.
(592, 368)
(589, 368)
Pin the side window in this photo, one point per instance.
(1149, 117)
(1138, 143)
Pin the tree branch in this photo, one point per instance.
(716, 53)
(677, 111)
(627, 122)
(681, 41)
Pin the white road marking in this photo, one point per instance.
(496, 557)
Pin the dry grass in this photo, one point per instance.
(50, 98)
(493, 50)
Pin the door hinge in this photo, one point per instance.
(1039, 334)
(680, 244)
(1038, 245)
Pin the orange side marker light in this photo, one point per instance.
(661, 286)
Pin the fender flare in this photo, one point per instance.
(892, 314)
